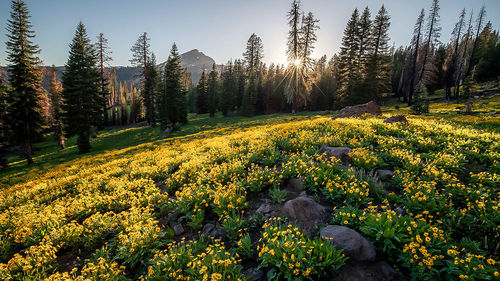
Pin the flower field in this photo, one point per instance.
(105, 217)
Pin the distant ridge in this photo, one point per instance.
(194, 60)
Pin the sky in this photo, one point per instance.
(218, 28)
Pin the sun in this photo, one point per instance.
(297, 62)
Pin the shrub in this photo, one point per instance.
(421, 102)
(206, 259)
(292, 256)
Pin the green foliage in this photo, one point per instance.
(197, 260)
(172, 102)
(278, 195)
(233, 226)
(212, 91)
(421, 102)
(290, 255)
(80, 81)
(245, 246)
(24, 116)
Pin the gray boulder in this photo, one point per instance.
(341, 153)
(354, 245)
(396, 119)
(166, 133)
(385, 175)
(307, 212)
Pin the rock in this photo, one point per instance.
(385, 174)
(254, 274)
(207, 228)
(295, 184)
(358, 110)
(264, 208)
(216, 232)
(396, 119)
(362, 271)
(387, 270)
(172, 218)
(400, 211)
(341, 153)
(166, 133)
(178, 229)
(354, 245)
(141, 124)
(305, 211)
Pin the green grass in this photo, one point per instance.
(48, 154)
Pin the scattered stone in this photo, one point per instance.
(172, 217)
(396, 119)
(207, 228)
(178, 229)
(385, 175)
(400, 211)
(166, 133)
(305, 211)
(354, 245)
(216, 232)
(358, 110)
(264, 209)
(387, 270)
(341, 153)
(254, 274)
(362, 271)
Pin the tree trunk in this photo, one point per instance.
(62, 145)
(28, 152)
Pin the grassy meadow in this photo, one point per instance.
(108, 215)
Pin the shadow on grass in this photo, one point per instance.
(48, 155)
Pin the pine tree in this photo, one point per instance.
(24, 115)
(240, 80)
(149, 91)
(56, 112)
(212, 90)
(248, 102)
(308, 38)
(349, 75)
(479, 25)
(452, 60)
(467, 37)
(141, 53)
(201, 94)
(81, 90)
(432, 39)
(378, 62)
(104, 57)
(171, 104)
(301, 38)
(364, 41)
(488, 67)
(228, 89)
(413, 63)
(254, 53)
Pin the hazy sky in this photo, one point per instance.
(218, 28)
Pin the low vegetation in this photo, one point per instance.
(116, 214)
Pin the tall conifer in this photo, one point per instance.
(24, 114)
(81, 91)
